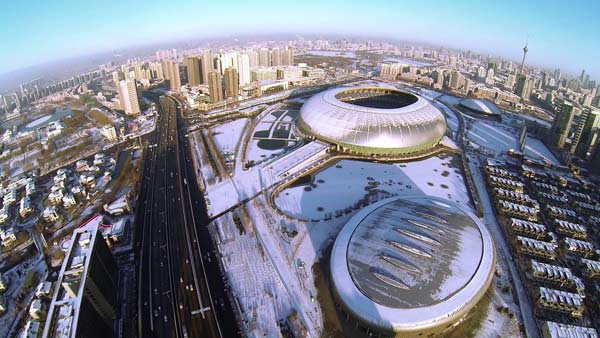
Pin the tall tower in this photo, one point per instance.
(129, 97)
(525, 50)
(193, 67)
(231, 83)
(215, 88)
(207, 65)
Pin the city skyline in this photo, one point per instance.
(558, 36)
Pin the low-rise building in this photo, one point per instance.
(528, 229)
(82, 165)
(50, 215)
(511, 209)
(119, 206)
(590, 268)
(560, 301)
(37, 310)
(69, 201)
(579, 247)
(500, 182)
(4, 214)
(31, 329)
(55, 197)
(570, 229)
(43, 290)
(87, 180)
(560, 330)
(30, 188)
(556, 275)
(25, 207)
(536, 248)
(501, 172)
(99, 159)
(8, 237)
(561, 213)
(516, 197)
(3, 283)
(109, 133)
(10, 198)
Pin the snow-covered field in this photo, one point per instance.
(348, 182)
(38, 121)
(272, 135)
(501, 138)
(227, 135)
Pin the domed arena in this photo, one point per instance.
(412, 266)
(373, 121)
(482, 107)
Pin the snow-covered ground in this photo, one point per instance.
(450, 100)
(227, 135)
(499, 137)
(348, 183)
(253, 279)
(536, 148)
(273, 135)
(451, 118)
(39, 121)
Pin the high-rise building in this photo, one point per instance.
(156, 71)
(117, 76)
(193, 69)
(577, 128)
(5, 104)
(264, 58)
(253, 58)
(590, 134)
(562, 124)
(557, 74)
(489, 77)
(287, 57)
(231, 83)
(276, 57)
(215, 88)
(524, 86)
(171, 71)
(207, 65)
(455, 78)
(227, 60)
(85, 302)
(244, 69)
(510, 82)
(129, 97)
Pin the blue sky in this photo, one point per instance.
(561, 33)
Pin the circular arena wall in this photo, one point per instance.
(373, 121)
(412, 265)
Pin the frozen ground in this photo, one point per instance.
(38, 121)
(348, 183)
(498, 137)
(227, 135)
(450, 100)
(273, 135)
(254, 281)
(451, 118)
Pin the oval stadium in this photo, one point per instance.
(411, 266)
(372, 121)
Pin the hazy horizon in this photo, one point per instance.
(559, 34)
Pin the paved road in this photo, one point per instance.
(180, 289)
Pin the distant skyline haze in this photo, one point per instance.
(561, 34)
